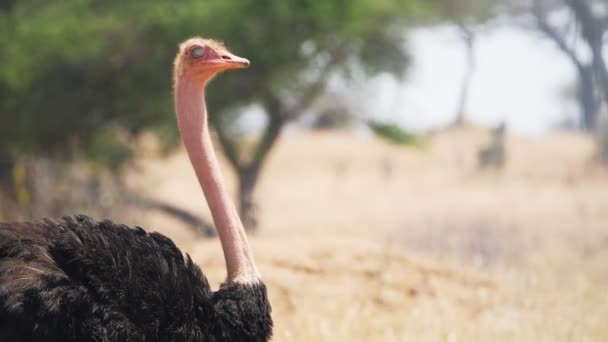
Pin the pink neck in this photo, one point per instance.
(192, 121)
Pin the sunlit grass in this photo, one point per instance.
(426, 248)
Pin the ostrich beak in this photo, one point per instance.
(231, 61)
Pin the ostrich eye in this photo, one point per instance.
(197, 52)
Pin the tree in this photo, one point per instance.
(95, 73)
(318, 39)
(586, 93)
(568, 23)
(552, 19)
(592, 17)
(467, 16)
(593, 23)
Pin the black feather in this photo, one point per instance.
(81, 280)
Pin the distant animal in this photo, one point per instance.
(78, 279)
(493, 155)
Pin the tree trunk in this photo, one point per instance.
(592, 29)
(248, 171)
(602, 139)
(6, 167)
(248, 174)
(7, 162)
(586, 83)
(248, 178)
(469, 40)
(599, 67)
(587, 97)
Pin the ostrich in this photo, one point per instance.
(77, 279)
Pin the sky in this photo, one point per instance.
(520, 78)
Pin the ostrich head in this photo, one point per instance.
(201, 59)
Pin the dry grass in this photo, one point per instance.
(362, 241)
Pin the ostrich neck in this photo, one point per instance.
(193, 125)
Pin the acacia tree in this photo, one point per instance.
(555, 21)
(317, 39)
(586, 92)
(467, 16)
(572, 24)
(86, 77)
(592, 17)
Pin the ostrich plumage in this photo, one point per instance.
(78, 279)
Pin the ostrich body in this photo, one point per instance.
(77, 279)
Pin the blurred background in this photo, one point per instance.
(409, 170)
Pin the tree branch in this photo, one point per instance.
(278, 116)
(312, 92)
(468, 36)
(552, 33)
(229, 146)
(593, 32)
(308, 97)
(194, 222)
(591, 26)
(276, 122)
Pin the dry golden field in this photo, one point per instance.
(363, 241)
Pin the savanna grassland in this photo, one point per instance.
(363, 241)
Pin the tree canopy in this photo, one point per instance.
(86, 77)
